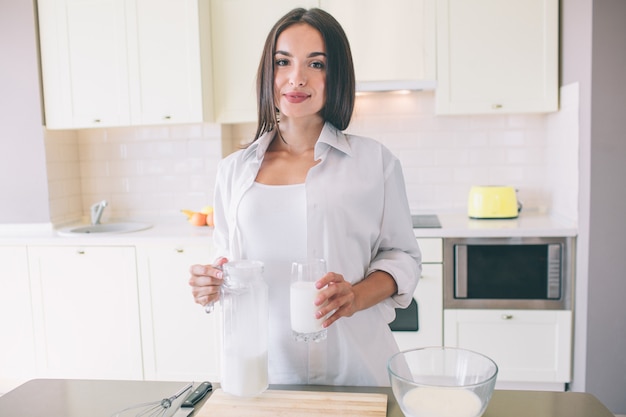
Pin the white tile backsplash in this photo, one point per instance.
(153, 172)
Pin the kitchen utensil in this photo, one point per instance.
(272, 403)
(187, 407)
(493, 202)
(165, 407)
(442, 382)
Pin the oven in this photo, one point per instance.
(508, 273)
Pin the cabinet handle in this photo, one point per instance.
(496, 106)
(96, 120)
(80, 251)
(167, 117)
(180, 250)
(507, 316)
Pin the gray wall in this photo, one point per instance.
(606, 318)
(594, 54)
(23, 179)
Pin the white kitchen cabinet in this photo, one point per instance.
(17, 349)
(429, 298)
(497, 56)
(181, 341)
(170, 61)
(238, 32)
(86, 312)
(529, 346)
(124, 62)
(84, 63)
(392, 42)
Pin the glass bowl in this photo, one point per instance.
(442, 382)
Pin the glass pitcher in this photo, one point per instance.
(245, 314)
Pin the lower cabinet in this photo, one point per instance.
(529, 346)
(86, 312)
(429, 299)
(17, 349)
(180, 341)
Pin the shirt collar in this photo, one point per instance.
(330, 137)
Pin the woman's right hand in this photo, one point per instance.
(206, 281)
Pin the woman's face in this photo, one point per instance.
(300, 71)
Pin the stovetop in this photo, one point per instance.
(425, 221)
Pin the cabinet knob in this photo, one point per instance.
(507, 316)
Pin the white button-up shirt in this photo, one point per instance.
(358, 219)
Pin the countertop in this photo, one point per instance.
(100, 398)
(452, 225)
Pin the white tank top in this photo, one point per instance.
(272, 221)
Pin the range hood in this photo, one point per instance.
(396, 85)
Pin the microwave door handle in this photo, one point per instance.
(460, 272)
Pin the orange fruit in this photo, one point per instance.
(198, 219)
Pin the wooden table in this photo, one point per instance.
(94, 398)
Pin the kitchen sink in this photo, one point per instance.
(104, 229)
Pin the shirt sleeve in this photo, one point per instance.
(220, 212)
(397, 251)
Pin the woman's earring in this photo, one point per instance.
(277, 116)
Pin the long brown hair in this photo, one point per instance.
(340, 79)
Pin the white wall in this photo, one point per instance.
(23, 181)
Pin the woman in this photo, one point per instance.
(303, 189)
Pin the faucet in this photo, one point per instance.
(96, 211)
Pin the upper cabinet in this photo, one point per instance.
(497, 56)
(84, 63)
(117, 62)
(392, 42)
(392, 45)
(171, 68)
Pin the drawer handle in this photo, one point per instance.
(80, 251)
(180, 250)
(507, 316)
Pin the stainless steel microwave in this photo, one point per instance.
(508, 273)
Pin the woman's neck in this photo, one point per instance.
(300, 135)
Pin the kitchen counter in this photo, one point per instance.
(166, 231)
(452, 225)
(79, 398)
(529, 224)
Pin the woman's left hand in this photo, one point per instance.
(337, 296)
(342, 299)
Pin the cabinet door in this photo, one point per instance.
(391, 40)
(528, 345)
(86, 312)
(181, 341)
(238, 32)
(497, 56)
(17, 350)
(84, 63)
(166, 59)
(429, 297)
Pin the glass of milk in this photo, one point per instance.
(304, 325)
